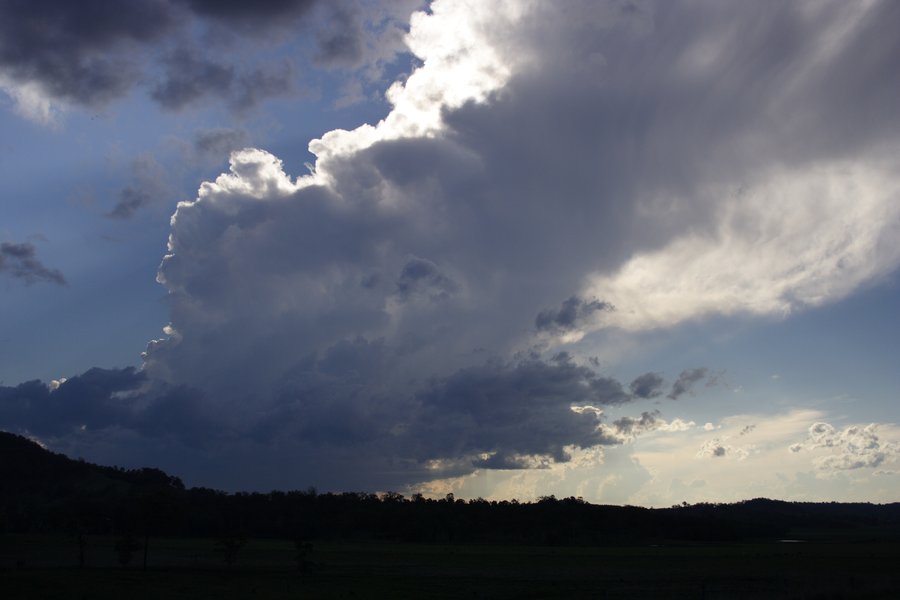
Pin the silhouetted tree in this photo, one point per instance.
(126, 546)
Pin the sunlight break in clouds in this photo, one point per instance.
(791, 241)
(459, 64)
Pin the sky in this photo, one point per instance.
(638, 252)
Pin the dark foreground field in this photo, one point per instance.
(45, 567)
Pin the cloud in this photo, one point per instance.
(854, 447)
(520, 409)
(94, 52)
(191, 78)
(717, 448)
(630, 425)
(81, 55)
(340, 44)
(148, 187)
(19, 260)
(568, 316)
(421, 277)
(218, 142)
(386, 317)
(251, 18)
(86, 401)
(686, 381)
(648, 385)
(628, 428)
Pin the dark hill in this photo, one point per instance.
(41, 491)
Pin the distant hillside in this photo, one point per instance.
(26, 466)
(41, 491)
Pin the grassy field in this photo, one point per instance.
(46, 567)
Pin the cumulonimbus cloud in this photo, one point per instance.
(385, 315)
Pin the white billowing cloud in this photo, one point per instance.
(854, 447)
(460, 63)
(793, 240)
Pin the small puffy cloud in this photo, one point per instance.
(19, 261)
(686, 382)
(648, 385)
(717, 448)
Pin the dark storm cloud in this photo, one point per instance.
(648, 385)
(686, 381)
(493, 416)
(86, 401)
(20, 261)
(506, 410)
(102, 400)
(88, 53)
(569, 314)
(79, 51)
(511, 409)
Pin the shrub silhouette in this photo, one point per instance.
(230, 546)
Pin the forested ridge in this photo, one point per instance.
(41, 491)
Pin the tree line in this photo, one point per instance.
(45, 492)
